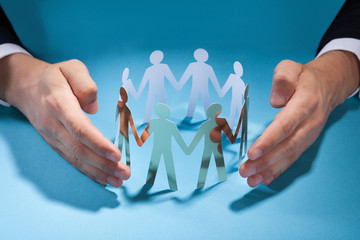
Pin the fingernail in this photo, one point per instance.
(92, 107)
(257, 180)
(250, 171)
(277, 99)
(112, 156)
(119, 174)
(112, 181)
(257, 153)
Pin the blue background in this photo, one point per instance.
(43, 197)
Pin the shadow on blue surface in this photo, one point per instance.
(300, 168)
(50, 173)
(143, 194)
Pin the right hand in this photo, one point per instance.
(52, 96)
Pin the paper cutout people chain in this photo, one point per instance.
(201, 72)
(155, 76)
(164, 130)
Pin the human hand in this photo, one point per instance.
(308, 93)
(52, 96)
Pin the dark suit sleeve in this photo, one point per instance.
(7, 33)
(345, 25)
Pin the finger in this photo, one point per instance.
(290, 146)
(268, 173)
(92, 172)
(285, 77)
(83, 153)
(65, 107)
(301, 105)
(82, 85)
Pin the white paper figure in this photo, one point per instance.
(238, 87)
(155, 75)
(127, 84)
(201, 72)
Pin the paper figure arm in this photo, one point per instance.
(138, 140)
(143, 83)
(129, 87)
(226, 128)
(226, 87)
(185, 77)
(180, 140)
(144, 136)
(196, 140)
(170, 76)
(214, 81)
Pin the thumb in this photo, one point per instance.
(82, 85)
(286, 75)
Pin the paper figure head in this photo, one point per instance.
(214, 110)
(238, 69)
(201, 55)
(123, 95)
(162, 110)
(125, 75)
(156, 57)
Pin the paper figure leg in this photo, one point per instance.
(233, 108)
(127, 149)
(220, 166)
(204, 168)
(192, 104)
(154, 164)
(120, 141)
(162, 98)
(149, 108)
(170, 170)
(246, 122)
(206, 101)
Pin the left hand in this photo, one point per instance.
(308, 93)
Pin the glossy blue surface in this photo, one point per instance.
(43, 197)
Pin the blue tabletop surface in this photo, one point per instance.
(44, 197)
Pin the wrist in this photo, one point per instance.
(339, 74)
(19, 76)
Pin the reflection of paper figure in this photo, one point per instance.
(125, 118)
(238, 87)
(244, 131)
(201, 72)
(127, 84)
(163, 130)
(155, 76)
(212, 130)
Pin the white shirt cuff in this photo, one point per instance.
(346, 44)
(7, 49)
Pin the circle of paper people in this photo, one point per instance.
(164, 130)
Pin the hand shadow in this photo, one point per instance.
(300, 168)
(51, 174)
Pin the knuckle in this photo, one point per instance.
(287, 127)
(291, 149)
(78, 150)
(77, 130)
(106, 167)
(76, 162)
(311, 102)
(77, 64)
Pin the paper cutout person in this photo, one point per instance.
(244, 131)
(127, 84)
(125, 118)
(235, 82)
(201, 72)
(164, 130)
(212, 130)
(155, 76)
